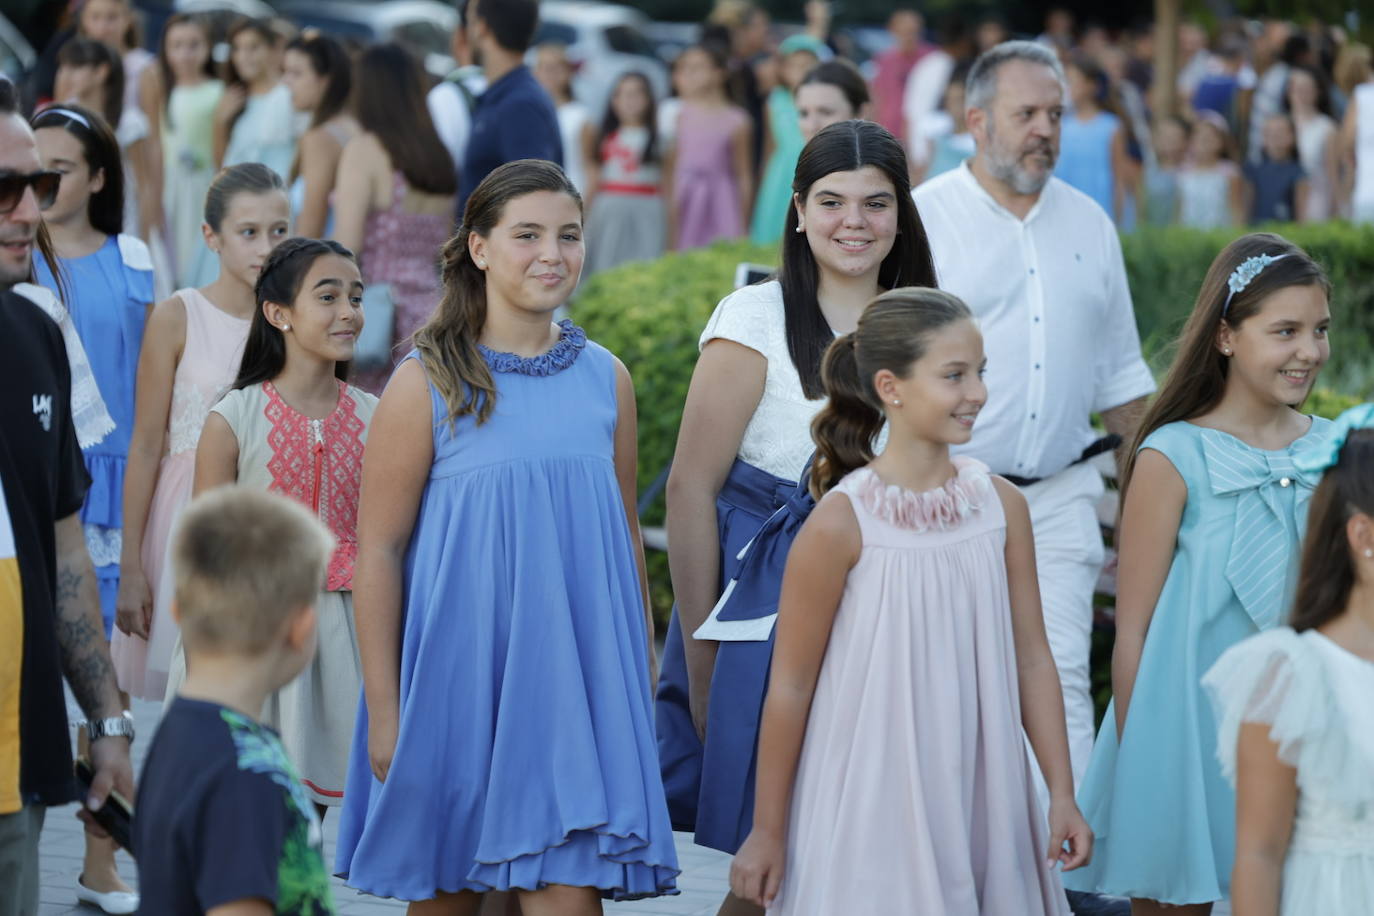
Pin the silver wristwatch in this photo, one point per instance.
(121, 726)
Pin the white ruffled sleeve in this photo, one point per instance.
(1279, 679)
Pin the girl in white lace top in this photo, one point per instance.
(191, 351)
(745, 437)
(1293, 706)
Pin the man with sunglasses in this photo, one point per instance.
(49, 611)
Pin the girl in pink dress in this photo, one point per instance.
(911, 652)
(191, 351)
(712, 184)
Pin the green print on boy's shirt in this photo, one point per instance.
(222, 817)
(302, 882)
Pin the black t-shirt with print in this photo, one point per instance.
(222, 816)
(44, 480)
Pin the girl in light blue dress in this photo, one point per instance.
(1215, 502)
(107, 287)
(505, 741)
(255, 119)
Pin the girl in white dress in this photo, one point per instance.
(1296, 722)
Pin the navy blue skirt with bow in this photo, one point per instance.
(747, 499)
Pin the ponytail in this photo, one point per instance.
(847, 425)
(891, 335)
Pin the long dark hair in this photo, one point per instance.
(1327, 574)
(611, 123)
(892, 334)
(264, 355)
(845, 147)
(243, 24)
(389, 102)
(87, 52)
(165, 67)
(105, 208)
(329, 60)
(448, 341)
(1197, 377)
(844, 76)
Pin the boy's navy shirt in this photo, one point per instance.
(513, 119)
(222, 816)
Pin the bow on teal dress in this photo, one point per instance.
(1163, 813)
(1271, 494)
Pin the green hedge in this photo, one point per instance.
(650, 315)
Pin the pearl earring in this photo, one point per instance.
(800, 228)
(1226, 351)
(286, 327)
(481, 263)
(896, 403)
(1368, 552)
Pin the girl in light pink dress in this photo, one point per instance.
(191, 352)
(911, 654)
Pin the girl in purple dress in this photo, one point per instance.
(712, 176)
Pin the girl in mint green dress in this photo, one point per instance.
(1213, 515)
(799, 54)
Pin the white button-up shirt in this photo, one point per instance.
(1051, 298)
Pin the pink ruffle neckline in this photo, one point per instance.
(940, 509)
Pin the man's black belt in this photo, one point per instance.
(1107, 443)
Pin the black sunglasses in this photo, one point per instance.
(13, 185)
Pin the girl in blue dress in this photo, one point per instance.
(505, 740)
(1215, 503)
(107, 287)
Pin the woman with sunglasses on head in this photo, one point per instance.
(107, 288)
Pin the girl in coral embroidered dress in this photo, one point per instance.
(292, 426)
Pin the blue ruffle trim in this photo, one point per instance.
(104, 504)
(557, 358)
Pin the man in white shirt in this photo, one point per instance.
(451, 101)
(1040, 265)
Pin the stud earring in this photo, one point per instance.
(481, 263)
(896, 403)
(1226, 351)
(800, 228)
(1368, 552)
(286, 327)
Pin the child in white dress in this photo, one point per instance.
(1293, 704)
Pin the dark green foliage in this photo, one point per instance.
(651, 314)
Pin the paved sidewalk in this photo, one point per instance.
(703, 881)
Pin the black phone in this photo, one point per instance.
(116, 816)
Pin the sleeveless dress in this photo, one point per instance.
(525, 752)
(188, 166)
(1085, 157)
(704, 175)
(1314, 696)
(1163, 814)
(263, 132)
(1204, 196)
(775, 191)
(914, 791)
(208, 364)
(108, 293)
(401, 251)
(317, 463)
(1313, 138)
(774, 449)
(627, 220)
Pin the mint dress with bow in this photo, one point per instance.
(1163, 813)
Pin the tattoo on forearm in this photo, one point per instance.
(85, 657)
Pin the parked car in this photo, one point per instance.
(604, 40)
(17, 57)
(424, 27)
(672, 38)
(219, 14)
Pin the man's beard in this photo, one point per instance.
(1006, 166)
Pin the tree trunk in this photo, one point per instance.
(1164, 93)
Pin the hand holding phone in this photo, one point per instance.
(116, 816)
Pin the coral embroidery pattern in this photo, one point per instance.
(318, 463)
